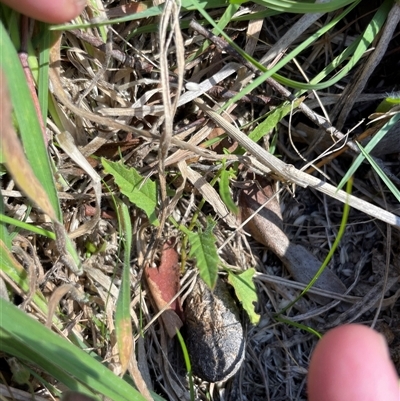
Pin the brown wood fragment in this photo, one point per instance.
(266, 228)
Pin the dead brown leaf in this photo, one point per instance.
(163, 283)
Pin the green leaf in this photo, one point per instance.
(203, 248)
(224, 190)
(140, 191)
(273, 119)
(245, 290)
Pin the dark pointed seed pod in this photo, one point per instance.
(214, 334)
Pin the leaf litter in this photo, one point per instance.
(276, 354)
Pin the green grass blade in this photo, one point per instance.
(187, 364)
(69, 245)
(222, 23)
(34, 342)
(371, 144)
(300, 326)
(14, 346)
(26, 226)
(25, 113)
(342, 229)
(273, 71)
(352, 53)
(381, 173)
(4, 235)
(123, 323)
(302, 7)
(273, 118)
(12, 269)
(43, 81)
(148, 13)
(224, 189)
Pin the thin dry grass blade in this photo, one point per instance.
(170, 16)
(67, 144)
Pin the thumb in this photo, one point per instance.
(351, 363)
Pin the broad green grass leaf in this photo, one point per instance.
(245, 290)
(141, 192)
(204, 249)
(27, 119)
(26, 338)
(12, 345)
(24, 176)
(123, 323)
(15, 160)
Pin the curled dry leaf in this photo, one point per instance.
(163, 284)
(266, 227)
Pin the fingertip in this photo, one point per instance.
(51, 11)
(351, 363)
(69, 10)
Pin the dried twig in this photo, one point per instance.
(288, 173)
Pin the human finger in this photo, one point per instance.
(351, 363)
(51, 11)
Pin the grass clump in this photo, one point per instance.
(143, 165)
